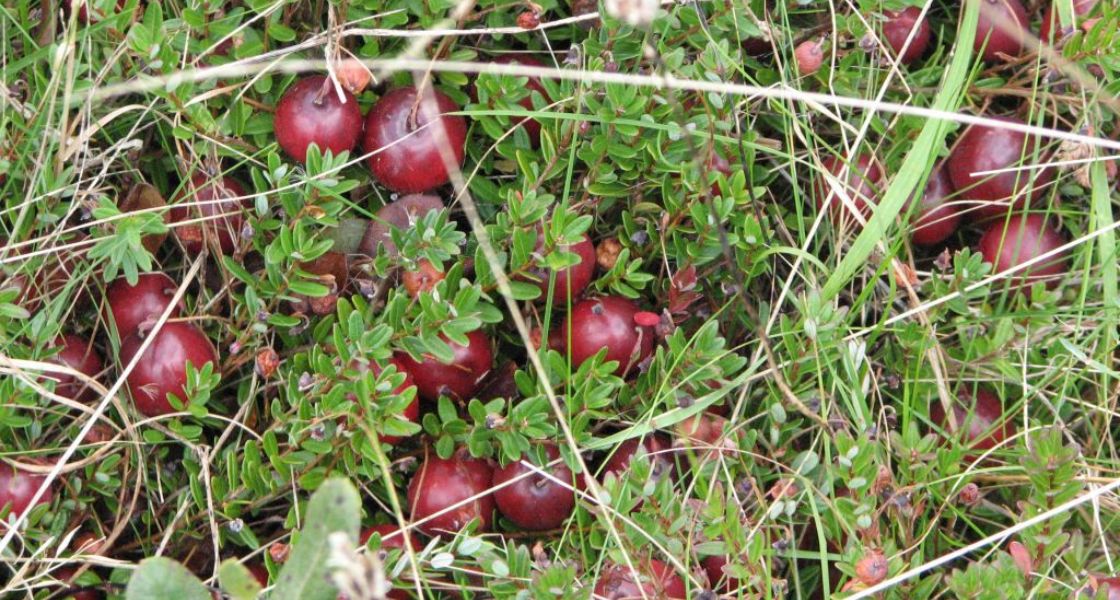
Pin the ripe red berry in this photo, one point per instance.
(981, 416)
(402, 214)
(129, 306)
(441, 483)
(717, 577)
(17, 488)
(936, 218)
(259, 572)
(311, 112)
(78, 354)
(412, 411)
(861, 185)
(162, 369)
(219, 203)
(655, 580)
(606, 322)
(1002, 25)
(897, 28)
(809, 56)
(569, 281)
(458, 379)
(1050, 19)
(535, 502)
(403, 134)
(655, 446)
(981, 149)
(423, 278)
(532, 126)
(1018, 239)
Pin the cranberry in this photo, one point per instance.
(87, 14)
(535, 502)
(655, 445)
(311, 113)
(458, 379)
(402, 213)
(412, 411)
(423, 278)
(606, 322)
(1020, 238)
(129, 306)
(443, 483)
(861, 185)
(701, 430)
(757, 47)
(532, 127)
(897, 28)
(570, 281)
(162, 369)
(78, 354)
(936, 219)
(719, 580)
(809, 56)
(48, 280)
(982, 148)
(1002, 25)
(406, 142)
(656, 580)
(17, 488)
(1050, 18)
(259, 572)
(982, 416)
(219, 203)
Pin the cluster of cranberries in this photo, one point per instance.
(981, 181)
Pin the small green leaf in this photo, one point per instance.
(237, 581)
(161, 577)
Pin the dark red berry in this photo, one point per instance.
(655, 446)
(861, 184)
(606, 322)
(17, 488)
(214, 207)
(714, 567)
(569, 281)
(458, 379)
(1050, 18)
(402, 214)
(403, 135)
(78, 354)
(936, 218)
(533, 85)
(259, 572)
(897, 28)
(162, 369)
(311, 112)
(980, 415)
(982, 148)
(1003, 26)
(535, 502)
(655, 579)
(441, 483)
(1018, 239)
(129, 306)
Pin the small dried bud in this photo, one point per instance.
(970, 495)
(1021, 557)
(494, 421)
(872, 568)
(353, 76)
(421, 279)
(279, 552)
(606, 253)
(529, 19)
(267, 362)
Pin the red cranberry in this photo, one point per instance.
(458, 379)
(861, 185)
(535, 502)
(606, 322)
(809, 56)
(162, 369)
(570, 281)
(1050, 18)
(212, 200)
(1002, 25)
(406, 142)
(17, 488)
(1020, 238)
(442, 483)
(701, 430)
(311, 112)
(897, 28)
(48, 280)
(402, 214)
(259, 572)
(936, 218)
(78, 354)
(982, 148)
(532, 126)
(719, 580)
(656, 580)
(656, 446)
(423, 278)
(983, 416)
(412, 411)
(129, 306)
